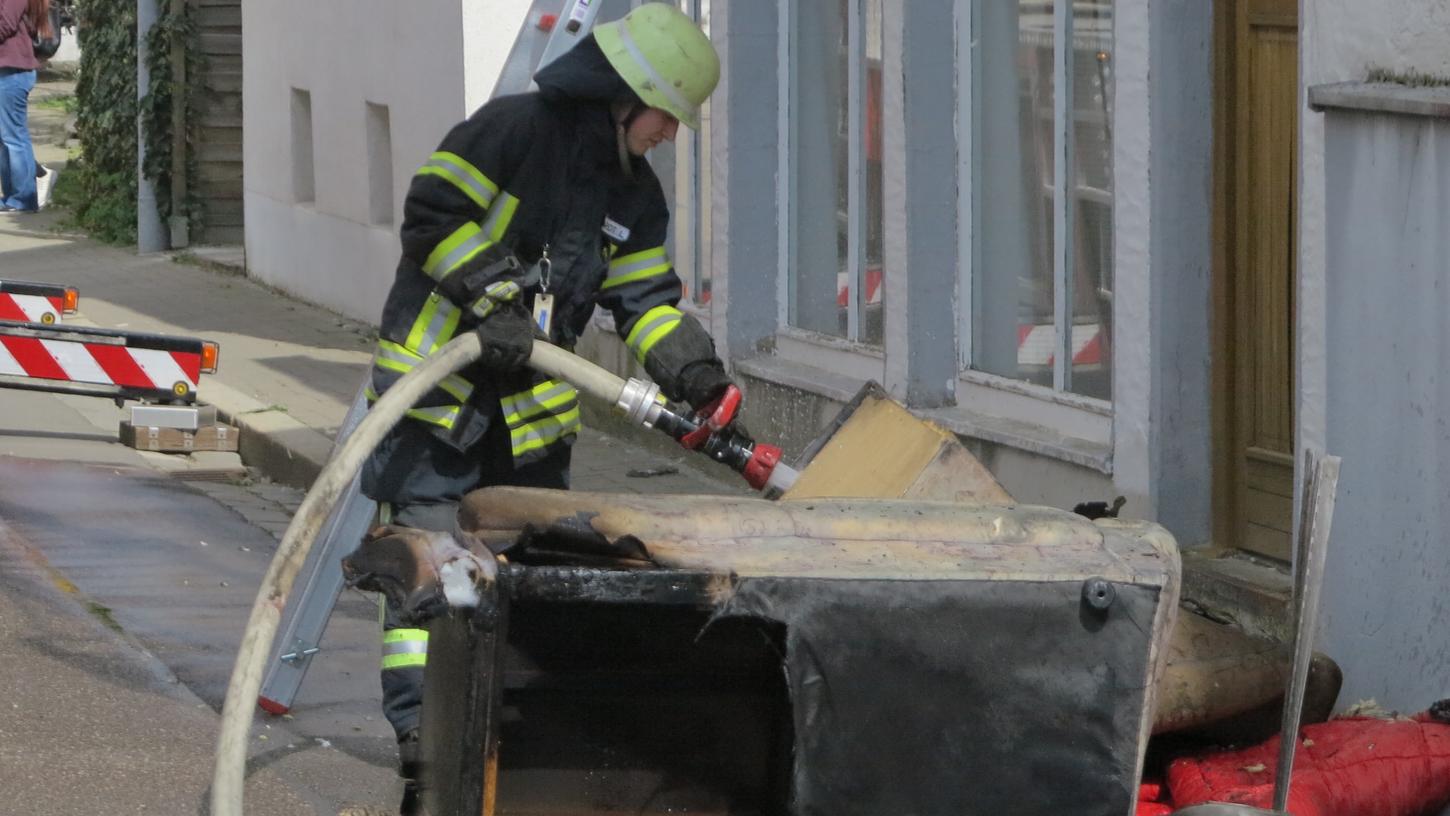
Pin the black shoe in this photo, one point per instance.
(410, 758)
(412, 804)
(410, 767)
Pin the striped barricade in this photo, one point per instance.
(103, 362)
(43, 303)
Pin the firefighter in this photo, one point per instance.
(533, 210)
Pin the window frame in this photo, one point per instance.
(972, 394)
(855, 100)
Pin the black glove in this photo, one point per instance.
(507, 337)
(683, 362)
(703, 382)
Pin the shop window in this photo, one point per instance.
(833, 165)
(1040, 176)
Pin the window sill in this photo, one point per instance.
(1030, 437)
(1381, 97)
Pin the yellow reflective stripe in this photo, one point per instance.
(544, 432)
(502, 290)
(464, 176)
(470, 239)
(456, 250)
(547, 396)
(637, 266)
(652, 327)
(434, 325)
(404, 661)
(442, 417)
(404, 635)
(404, 648)
(393, 357)
(494, 294)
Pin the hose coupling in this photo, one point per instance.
(640, 402)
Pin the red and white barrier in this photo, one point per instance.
(103, 362)
(1036, 345)
(43, 303)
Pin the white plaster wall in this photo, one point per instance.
(1382, 619)
(1388, 344)
(431, 63)
(1338, 41)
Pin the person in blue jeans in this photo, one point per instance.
(20, 21)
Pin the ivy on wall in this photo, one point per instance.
(156, 113)
(100, 183)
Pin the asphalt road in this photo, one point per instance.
(125, 582)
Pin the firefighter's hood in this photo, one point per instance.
(583, 74)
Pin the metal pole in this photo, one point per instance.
(1313, 547)
(179, 226)
(150, 234)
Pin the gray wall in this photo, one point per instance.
(1181, 167)
(1387, 242)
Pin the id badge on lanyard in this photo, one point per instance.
(544, 300)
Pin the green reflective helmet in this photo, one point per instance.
(664, 57)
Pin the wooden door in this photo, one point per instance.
(1257, 116)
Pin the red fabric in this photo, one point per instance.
(1150, 791)
(1348, 767)
(1151, 800)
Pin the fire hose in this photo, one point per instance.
(640, 401)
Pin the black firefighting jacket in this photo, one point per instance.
(528, 176)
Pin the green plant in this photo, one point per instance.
(62, 102)
(100, 184)
(1411, 78)
(156, 109)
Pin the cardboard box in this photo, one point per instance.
(215, 437)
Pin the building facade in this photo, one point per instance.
(1107, 243)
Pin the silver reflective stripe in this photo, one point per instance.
(460, 176)
(436, 416)
(390, 351)
(494, 294)
(543, 432)
(642, 333)
(439, 329)
(499, 216)
(404, 361)
(520, 407)
(475, 243)
(659, 82)
(406, 647)
(502, 290)
(656, 257)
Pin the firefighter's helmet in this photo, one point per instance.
(664, 57)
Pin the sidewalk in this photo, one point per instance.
(288, 370)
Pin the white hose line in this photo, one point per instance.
(228, 776)
(246, 680)
(577, 371)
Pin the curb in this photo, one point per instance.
(284, 449)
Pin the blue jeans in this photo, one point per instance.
(17, 157)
